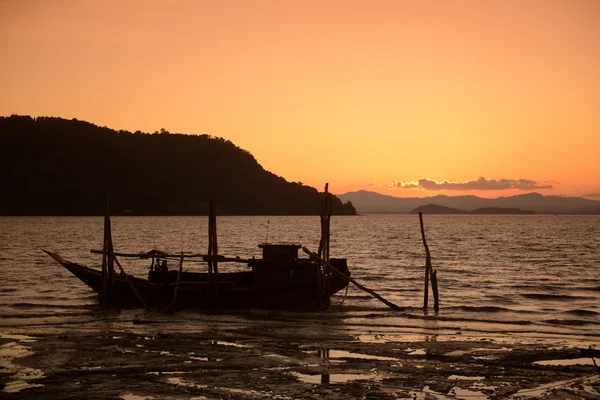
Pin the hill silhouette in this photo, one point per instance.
(436, 209)
(54, 166)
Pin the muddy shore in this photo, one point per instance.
(280, 361)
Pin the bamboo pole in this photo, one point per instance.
(434, 287)
(426, 290)
(333, 269)
(213, 266)
(324, 284)
(429, 273)
(164, 255)
(215, 248)
(108, 267)
(210, 265)
(172, 305)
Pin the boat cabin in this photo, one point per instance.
(280, 252)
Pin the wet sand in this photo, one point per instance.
(281, 361)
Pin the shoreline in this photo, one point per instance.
(281, 360)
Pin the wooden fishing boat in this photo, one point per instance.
(278, 280)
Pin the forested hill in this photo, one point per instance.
(54, 166)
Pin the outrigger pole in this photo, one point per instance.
(336, 271)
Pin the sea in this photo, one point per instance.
(522, 277)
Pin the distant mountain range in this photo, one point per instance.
(435, 209)
(371, 202)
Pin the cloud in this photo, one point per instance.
(478, 184)
(592, 195)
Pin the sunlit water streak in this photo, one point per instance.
(525, 275)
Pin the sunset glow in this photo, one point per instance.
(407, 98)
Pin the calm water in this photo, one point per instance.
(521, 276)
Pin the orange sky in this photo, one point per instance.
(361, 94)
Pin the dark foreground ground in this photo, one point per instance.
(272, 363)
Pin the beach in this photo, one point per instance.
(272, 357)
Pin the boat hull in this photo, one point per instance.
(195, 291)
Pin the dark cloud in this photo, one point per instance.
(592, 195)
(478, 184)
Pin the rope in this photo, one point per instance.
(345, 294)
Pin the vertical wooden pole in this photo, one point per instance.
(434, 287)
(108, 264)
(215, 249)
(427, 264)
(213, 267)
(429, 273)
(210, 262)
(323, 284)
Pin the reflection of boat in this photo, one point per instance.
(280, 279)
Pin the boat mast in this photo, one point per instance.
(108, 264)
(213, 251)
(324, 288)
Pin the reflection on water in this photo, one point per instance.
(570, 361)
(20, 377)
(522, 275)
(328, 354)
(326, 378)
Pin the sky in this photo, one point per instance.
(406, 98)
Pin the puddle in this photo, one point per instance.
(329, 354)
(539, 391)
(184, 383)
(564, 362)
(231, 344)
(20, 375)
(18, 385)
(427, 394)
(188, 384)
(276, 368)
(586, 383)
(454, 394)
(466, 394)
(193, 356)
(248, 392)
(90, 368)
(131, 396)
(372, 338)
(325, 379)
(165, 372)
(479, 349)
(488, 358)
(275, 356)
(466, 378)
(20, 338)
